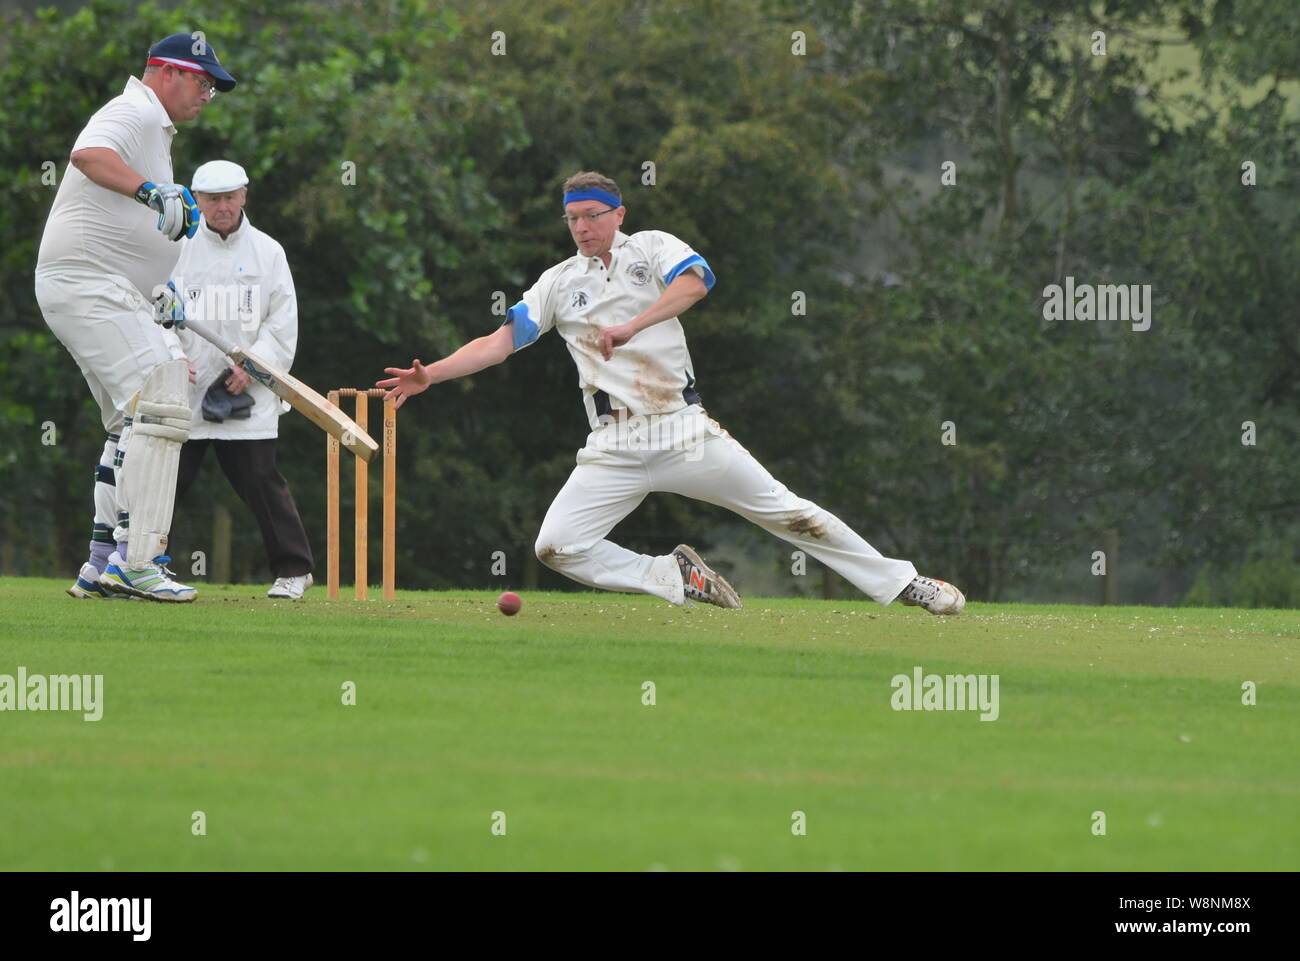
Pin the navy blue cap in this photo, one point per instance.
(178, 51)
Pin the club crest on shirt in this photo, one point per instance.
(639, 272)
(579, 299)
(193, 294)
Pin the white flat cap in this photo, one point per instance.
(219, 177)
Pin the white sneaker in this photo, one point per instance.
(87, 586)
(937, 597)
(292, 588)
(701, 582)
(153, 582)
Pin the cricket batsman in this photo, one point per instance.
(108, 245)
(617, 304)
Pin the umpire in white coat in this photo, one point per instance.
(237, 278)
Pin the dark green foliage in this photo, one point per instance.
(816, 174)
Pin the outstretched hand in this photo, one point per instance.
(405, 382)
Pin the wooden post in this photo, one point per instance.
(332, 509)
(390, 499)
(362, 532)
(361, 505)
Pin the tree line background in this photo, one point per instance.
(813, 173)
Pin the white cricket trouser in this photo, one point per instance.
(108, 328)
(687, 453)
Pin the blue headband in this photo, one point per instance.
(592, 193)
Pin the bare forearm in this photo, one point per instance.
(104, 167)
(679, 296)
(474, 356)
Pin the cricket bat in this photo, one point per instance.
(301, 397)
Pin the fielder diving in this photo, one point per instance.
(616, 303)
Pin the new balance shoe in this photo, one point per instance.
(291, 588)
(87, 586)
(701, 583)
(937, 597)
(153, 582)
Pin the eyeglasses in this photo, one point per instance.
(205, 85)
(571, 219)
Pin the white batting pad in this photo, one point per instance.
(146, 482)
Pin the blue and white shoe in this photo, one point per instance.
(87, 587)
(153, 582)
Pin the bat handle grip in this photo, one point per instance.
(211, 336)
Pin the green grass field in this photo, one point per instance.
(233, 707)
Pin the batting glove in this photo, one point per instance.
(178, 214)
(168, 307)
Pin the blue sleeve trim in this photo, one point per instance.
(694, 260)
(525, 329)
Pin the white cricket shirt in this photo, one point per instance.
(93, 228)
(650, 374)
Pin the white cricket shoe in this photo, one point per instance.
(87, 586)
(292, 588)
(702, 583)
(153, 582)
(937, 597)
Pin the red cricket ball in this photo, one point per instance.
(509, 603)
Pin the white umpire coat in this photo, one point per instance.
(242, 286)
